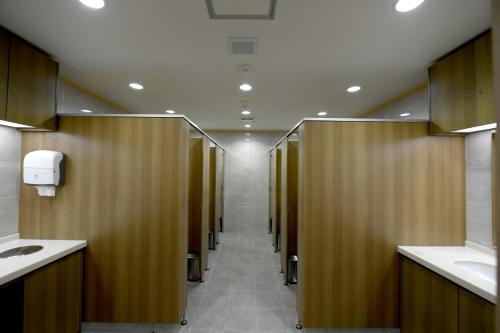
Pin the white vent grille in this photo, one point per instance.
(242, 46)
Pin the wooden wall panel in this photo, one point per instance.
(364, 188)
(4, 71)
(126, 194)
(53, 297)
(475, 313)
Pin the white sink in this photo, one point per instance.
(484, 271)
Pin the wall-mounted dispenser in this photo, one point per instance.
(44, 169)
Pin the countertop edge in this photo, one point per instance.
(447, 275)
(39, 264)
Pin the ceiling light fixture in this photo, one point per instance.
(404, 6)
(322, 113)
(477, 128)
(247, 139)
(353, 89)
(406, 114)
(86, 111)
(246, 112)
(136, 86)
(248, 134)
(170, 111)
(94, 4)
(248, 125)
(245, 87)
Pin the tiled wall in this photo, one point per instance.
(10, 154)
(246, 178)
(479, 190)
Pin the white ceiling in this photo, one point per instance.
(305, 58)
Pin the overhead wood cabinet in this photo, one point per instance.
(433, 304)
(275, 196)
(126, 193)
(289, 173)
(4, 71)
(199, 197)
(28, 81)
(461, 88)
(365, 187)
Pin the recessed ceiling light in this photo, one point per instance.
(245, 87)
(248, 134)
(353, 89)
(404, 6)
(405, 114)
(170, 111)
(322, 113)
(136, 86)
(94, 4)
(248, 125)
(246, 112)
(247, 139)
(294, 134)
(86, 111)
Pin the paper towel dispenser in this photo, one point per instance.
(45, 170)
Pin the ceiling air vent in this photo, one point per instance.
(242, 46)
(241, 9)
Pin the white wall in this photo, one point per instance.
(10, 154)
(246, 178)
(479, 190)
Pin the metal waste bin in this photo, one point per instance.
(211, 241)
(292, 269)
(193, 262)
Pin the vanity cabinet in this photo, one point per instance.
(47, 300)
(461, 88)
(431, 303)
(4, 72)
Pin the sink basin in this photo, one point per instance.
(484, 271)
(20, 251)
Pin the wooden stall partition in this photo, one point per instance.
(289, 166)
(199, 198)
(219, 198)
(222, 188)
(214, 211)
(275, 195)
(364, 188)
(126, 194)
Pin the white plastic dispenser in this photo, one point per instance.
(44, 169)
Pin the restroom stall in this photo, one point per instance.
(275, 183)
(363, 188)
(199, 205)
(289, 173)
(126, 193)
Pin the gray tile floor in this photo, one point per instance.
(243, 292)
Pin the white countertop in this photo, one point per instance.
(14, 267)
(441, 260)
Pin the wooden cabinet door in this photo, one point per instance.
(452, 92)
(483, 62)
(32, 86)
(53, 297)
(4, 72)
(476, 314)
(429, 302)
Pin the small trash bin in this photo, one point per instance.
(193, 262)
(292, 269)
(211, 241)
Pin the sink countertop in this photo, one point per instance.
(15, 267)
(441, 260)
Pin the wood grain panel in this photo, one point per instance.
(222, 188)
(289, 165)
(205, 201)
(364, 188)
(213, 214)
(483, 63)
(475, 313)
(53, 297)
(4, 71)
(452, 92)
(32, 86)
(275, 195)
(429, 301)
(219, 199)
(126, 193)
